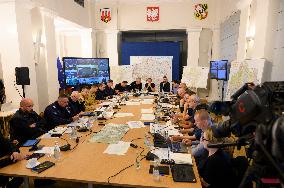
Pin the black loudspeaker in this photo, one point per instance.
(22, 75)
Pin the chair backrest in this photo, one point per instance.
(240, 165)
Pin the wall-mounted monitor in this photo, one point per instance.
(85, 71)
(219, 70)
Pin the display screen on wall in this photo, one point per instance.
(85, 71)
(218, 70)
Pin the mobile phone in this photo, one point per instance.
(43, 166)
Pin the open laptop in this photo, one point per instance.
(178, 147)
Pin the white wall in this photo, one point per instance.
(9, 49)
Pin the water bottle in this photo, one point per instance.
(56, 151)
(156, 173)
(73, 134)
(147, 140)
(137, 161)
(88, 124)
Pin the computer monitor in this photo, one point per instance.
(219, 70)
(85, 71)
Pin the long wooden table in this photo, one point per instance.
(88, 164)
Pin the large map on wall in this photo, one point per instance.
(154, 67)
(195, 77)
(144, 67)
(243, 72)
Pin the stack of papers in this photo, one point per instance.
(123, 114)
(147, 101)
(135, 124)
(105, 104)
(181, 158)
(147, 111)
(46, 150)
(57, 130)
(162, 153)
(147, 117)
(117, 149)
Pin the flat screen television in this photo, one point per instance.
(219, 70)
(85, 71)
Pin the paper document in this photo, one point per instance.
(162, 153)
(147, 117)
(46, 150)
(129, 103)
(117, 149)
(147, 111)
(181, 158)
(105, 104)
(57, 130)
(123, 114)
(147, 101)
(135, 124)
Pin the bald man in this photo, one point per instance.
(76, 106)
(26, 124)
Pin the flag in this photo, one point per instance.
(60, 73)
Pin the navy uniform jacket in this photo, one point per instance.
(109, 91)
(20, 126)
(76, 107)
(100, 95)
(166, 87)
(56, 115)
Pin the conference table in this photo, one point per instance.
(88, 164)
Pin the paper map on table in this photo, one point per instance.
(110, 134)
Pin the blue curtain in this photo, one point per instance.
(152, 49)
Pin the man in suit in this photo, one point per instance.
(26, 124)
(76, 106)
(121, 87)
(136, 85)
(100, 94)
(59, 113)
(165, 86)
(109, 91)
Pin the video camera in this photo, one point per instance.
(256, 117)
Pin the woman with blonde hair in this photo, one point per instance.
(216, 170)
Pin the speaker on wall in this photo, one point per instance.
(22, 75)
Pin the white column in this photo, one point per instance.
(51, 66)
(26, 48)
(193, 46)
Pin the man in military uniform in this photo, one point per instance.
(90, 100)
(26, 124)
(59, 113)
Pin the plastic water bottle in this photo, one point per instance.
(73, 134)
(137, 161)
(156, 173)
(147, 140)
(57, 154)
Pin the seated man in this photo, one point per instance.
(26, 124)
(9, 154)
(109, 91)
(76, 106)
(149, 86)
(175, 86)
(90, 98)
(59, 113)
(136, 85)
(165, 86)
(100, 94)
(121, 87)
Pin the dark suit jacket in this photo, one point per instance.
(20, 126)
(166, 87)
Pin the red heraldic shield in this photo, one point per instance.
(153, 14)
(105, 14)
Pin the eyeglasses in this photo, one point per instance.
(203, 139)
